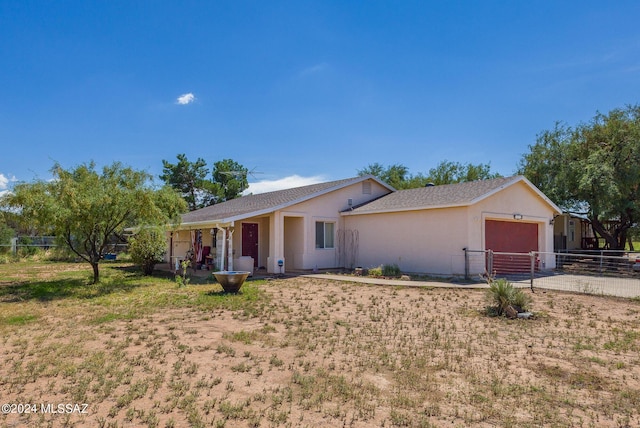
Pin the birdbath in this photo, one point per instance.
(231, 281)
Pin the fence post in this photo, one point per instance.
(532, 255)
(466, 263)
(601, 259)
(490, 263)
(14, 245)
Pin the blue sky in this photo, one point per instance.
(302, 91)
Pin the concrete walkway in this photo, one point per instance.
(404, 283)
(610, 286)
(619, 287)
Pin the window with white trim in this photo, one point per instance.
(324, 234)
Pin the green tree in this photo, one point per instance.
(396, 175)
(445, 173)
(147, 248)
(6, 233)
(88, 210)
(592, 169)
(229, 179)
(190, 179)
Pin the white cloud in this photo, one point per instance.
(282, 183)
(185, 99)
(4, 183)
(314, 69)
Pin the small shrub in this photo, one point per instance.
(385, 270)
(147, 248)
(183, 280)
(6, 233)
(376, 271)
(25, 246)
(502, 294)
(391, 270)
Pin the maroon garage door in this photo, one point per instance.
(511, 237)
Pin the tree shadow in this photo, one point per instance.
(221, 293)
(41, 290)
(69, 288)
(122, 278)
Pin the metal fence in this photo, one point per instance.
(29, 244)
(614, 273)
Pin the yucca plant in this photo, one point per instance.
(502, 295)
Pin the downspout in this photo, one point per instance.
(170, 249)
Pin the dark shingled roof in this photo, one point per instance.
(250, 205)
(446, 195)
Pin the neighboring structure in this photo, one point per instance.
(573, 232)
(364, 222)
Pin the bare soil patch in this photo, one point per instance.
(321, 353)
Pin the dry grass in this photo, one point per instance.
(299, 352)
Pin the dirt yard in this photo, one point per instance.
(318, 353)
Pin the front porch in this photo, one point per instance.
(276, 243)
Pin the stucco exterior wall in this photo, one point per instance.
(296, 226)
(425, 241)
(181, 243)
(432, 240)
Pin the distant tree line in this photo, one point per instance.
(446, 172)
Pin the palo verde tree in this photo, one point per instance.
(88, 210)
(592, 169)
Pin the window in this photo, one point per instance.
(324, 234)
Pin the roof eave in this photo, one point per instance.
(395, 210)
(288, 204)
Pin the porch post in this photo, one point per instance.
(276, 243)
(230, 255)
(224, 247)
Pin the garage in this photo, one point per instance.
(511, 237)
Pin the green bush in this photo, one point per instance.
(61, 253)
(147, 248)
(25, 247)
(385, 270)
(390, 270)
(502, 294)
(6, 233)
(376, 271)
